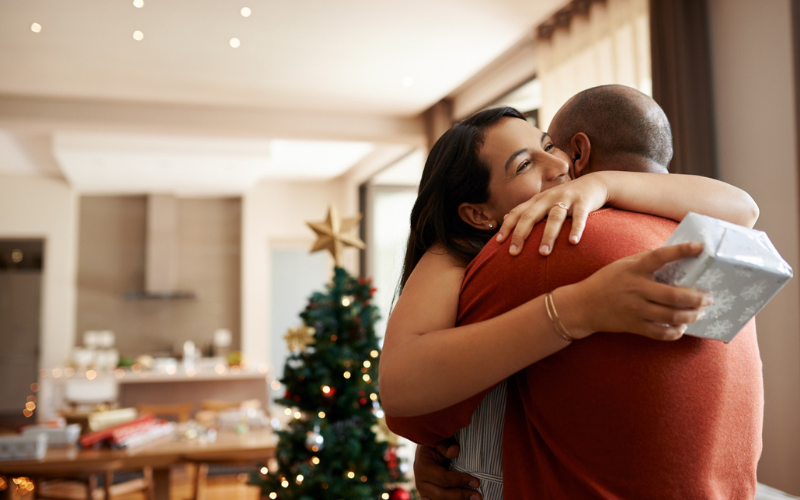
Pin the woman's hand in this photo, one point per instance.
(624, 297)
(577, 198)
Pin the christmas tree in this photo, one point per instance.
(332, 446)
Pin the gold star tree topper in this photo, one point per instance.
(332, 234)
(300, 337)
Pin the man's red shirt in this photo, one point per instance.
(615, 415)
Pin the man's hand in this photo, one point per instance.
(435, 481)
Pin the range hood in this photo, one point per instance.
(161, 252)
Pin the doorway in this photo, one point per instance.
(21, 265)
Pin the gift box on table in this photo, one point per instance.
(739, 267)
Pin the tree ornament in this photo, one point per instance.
(399, 494)
(331, 234)
(299, 338)
(314, 440)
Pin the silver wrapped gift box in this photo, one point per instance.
(739, 267)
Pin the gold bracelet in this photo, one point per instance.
(553, 315)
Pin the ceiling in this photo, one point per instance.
(356, 59)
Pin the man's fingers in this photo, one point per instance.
(451, 479)
(447, 448)
(434, 492)
(655, 259)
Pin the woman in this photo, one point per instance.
(476, 173)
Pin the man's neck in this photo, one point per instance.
(626, 163)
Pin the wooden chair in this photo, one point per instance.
(182, 411)
(83, 484)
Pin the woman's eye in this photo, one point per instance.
(549, 147)
(523, 165)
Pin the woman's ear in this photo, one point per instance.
(476, 215)
(580, 150)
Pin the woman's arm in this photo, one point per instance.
(666, 195)
(674, 195)
(428, 365)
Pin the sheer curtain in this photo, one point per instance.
(590, 43)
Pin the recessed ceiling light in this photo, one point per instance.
(407, 81)
(138, 36)
(246, 11)
(235, 43)
(138, 3)
(36, 27)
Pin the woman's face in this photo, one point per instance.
(522, 162)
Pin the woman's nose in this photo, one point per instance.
(556, 168)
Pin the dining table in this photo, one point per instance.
(228, 447)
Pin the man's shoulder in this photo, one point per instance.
(609, 235)
(603, 228)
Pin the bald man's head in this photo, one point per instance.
(621, 123)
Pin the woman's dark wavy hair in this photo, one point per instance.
(453, 174)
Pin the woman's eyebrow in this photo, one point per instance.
(546, 136)
(514, 155)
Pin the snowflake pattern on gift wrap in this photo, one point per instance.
(747, 313)
(723, 302)
(753, 291)
(720, 329)
(709, 279)
(744, 272)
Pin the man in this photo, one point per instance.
(614, 415)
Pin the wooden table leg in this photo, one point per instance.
(201, 474)
(161, 483)
(109, 481)
(91, 485)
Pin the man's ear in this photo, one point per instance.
(477, 216)
(580, 150)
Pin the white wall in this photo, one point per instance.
(275, 213)
(756, 145)
(43, 207)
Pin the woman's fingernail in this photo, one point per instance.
(513, 249)
(504, 217)
(683, 328)
(708, 300)
(573, 239)
(544, 249)
(695, 246)
(474, 483)
(499, 236)
(701, 315)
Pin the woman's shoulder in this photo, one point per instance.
(435, 272)
(438, 256)
(436, 264)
